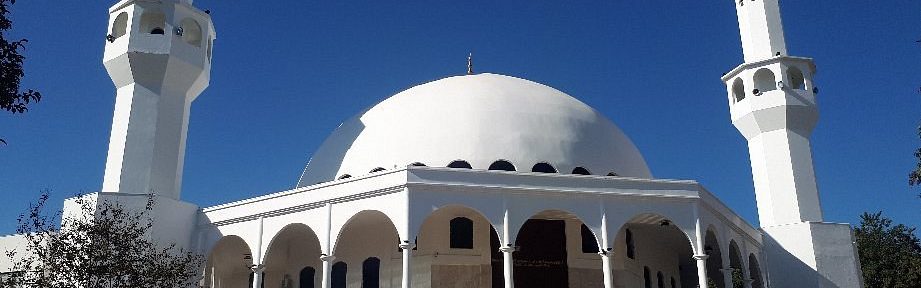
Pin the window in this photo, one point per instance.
(589, 244)
(613, 174)
(378, 169)
(153, 22)
(417, 164)
(460, 164)
(120, 26)
(543, 167)
(631, 250)
(581, 171)
(673, 283)
(461, 233)
(306, 278)
(338, 275)
(796, 78)
(646, 281)
(191, 32)
(738, 90)
(660, 279)
(371, 273)
(345, 176)
(502, 165)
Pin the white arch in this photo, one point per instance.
(364, 214)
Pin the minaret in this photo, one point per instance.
(772, 100)
(773, 104)
(158, 54)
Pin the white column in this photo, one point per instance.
(257, 267)
(701, 270)
(327, 257)
(509, 265)
(327, 269)
(407, 259)
(257, 275)
(700, 256)
(605, 251)
(606, 268)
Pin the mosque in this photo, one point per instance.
(478, 180)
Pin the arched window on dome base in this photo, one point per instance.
(460, 164)
(543, 167)
(581, 171)
(502, 165)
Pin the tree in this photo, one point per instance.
(104, 245)
(12, 98)
(914, 178)
(890, 255)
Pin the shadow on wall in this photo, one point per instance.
(788, 271)
(330, 156)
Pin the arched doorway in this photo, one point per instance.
(466, 245)
(294, 249)
(754, 272)
(305, 276)
(715, 261)
(368, 234)
(650, 245)
(735, 263)
(551, 253)
(228, 264)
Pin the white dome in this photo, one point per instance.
(478, 119)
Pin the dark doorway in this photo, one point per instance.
(541, 258)
(338, 275)
(371, 273)
(305, 280)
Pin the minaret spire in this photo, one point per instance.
(470, 63)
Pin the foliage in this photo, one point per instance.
(12, 99)
(890, 255)
(738, 278)
(105, 245)
(914, 178)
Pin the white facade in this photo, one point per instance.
(479, 180)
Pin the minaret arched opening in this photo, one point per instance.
(191, 32)
(153, 22)
(738, 90)
(120, 25)
(764, 80)
(795, 78)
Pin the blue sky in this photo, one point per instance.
(286, 73)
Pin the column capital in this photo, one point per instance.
(257, 268)
(702, 257)
(407, 246)
(508, 249)
(606, 252)
(327, 258)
